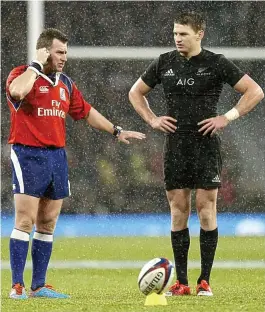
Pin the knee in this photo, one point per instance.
(24, 224)
(206, 214)
(46, 226)
(179, 216)
(178, 207)
(206, 208)
(208, 219)
(207, 204)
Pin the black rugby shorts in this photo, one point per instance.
(192, 161)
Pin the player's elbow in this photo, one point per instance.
(261, 93)
(254, 91)
(15, 93)
(131, 94)
(258, 93)
(134, 93)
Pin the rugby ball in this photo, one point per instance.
(156, 276)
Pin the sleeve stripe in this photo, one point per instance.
(15, 105)
(67, 82)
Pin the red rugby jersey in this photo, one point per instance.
(39, 119)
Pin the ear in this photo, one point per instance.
(200, 35)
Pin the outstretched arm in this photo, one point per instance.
(137, 98)
(98, 121)
(252, 94)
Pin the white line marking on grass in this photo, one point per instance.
(128, 264)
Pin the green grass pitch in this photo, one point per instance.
(116, 290)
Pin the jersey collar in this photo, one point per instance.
(53, 78)
(194, 59)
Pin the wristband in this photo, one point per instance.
(232, 114)
(36, 66)
(117, 130)
(34, 69)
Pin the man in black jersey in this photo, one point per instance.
(192, 79)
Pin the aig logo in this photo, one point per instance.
(185, 82)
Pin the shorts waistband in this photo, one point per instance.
(186, 132)
(49, 147)
(190, 133)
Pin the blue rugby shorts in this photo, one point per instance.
(40, 172)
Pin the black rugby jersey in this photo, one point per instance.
(192, 87)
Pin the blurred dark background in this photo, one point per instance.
(109, 177)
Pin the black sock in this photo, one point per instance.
(180, 244)
(208, 243)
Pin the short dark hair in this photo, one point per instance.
(193, 19)
(46, 37)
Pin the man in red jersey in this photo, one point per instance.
(39, 97)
